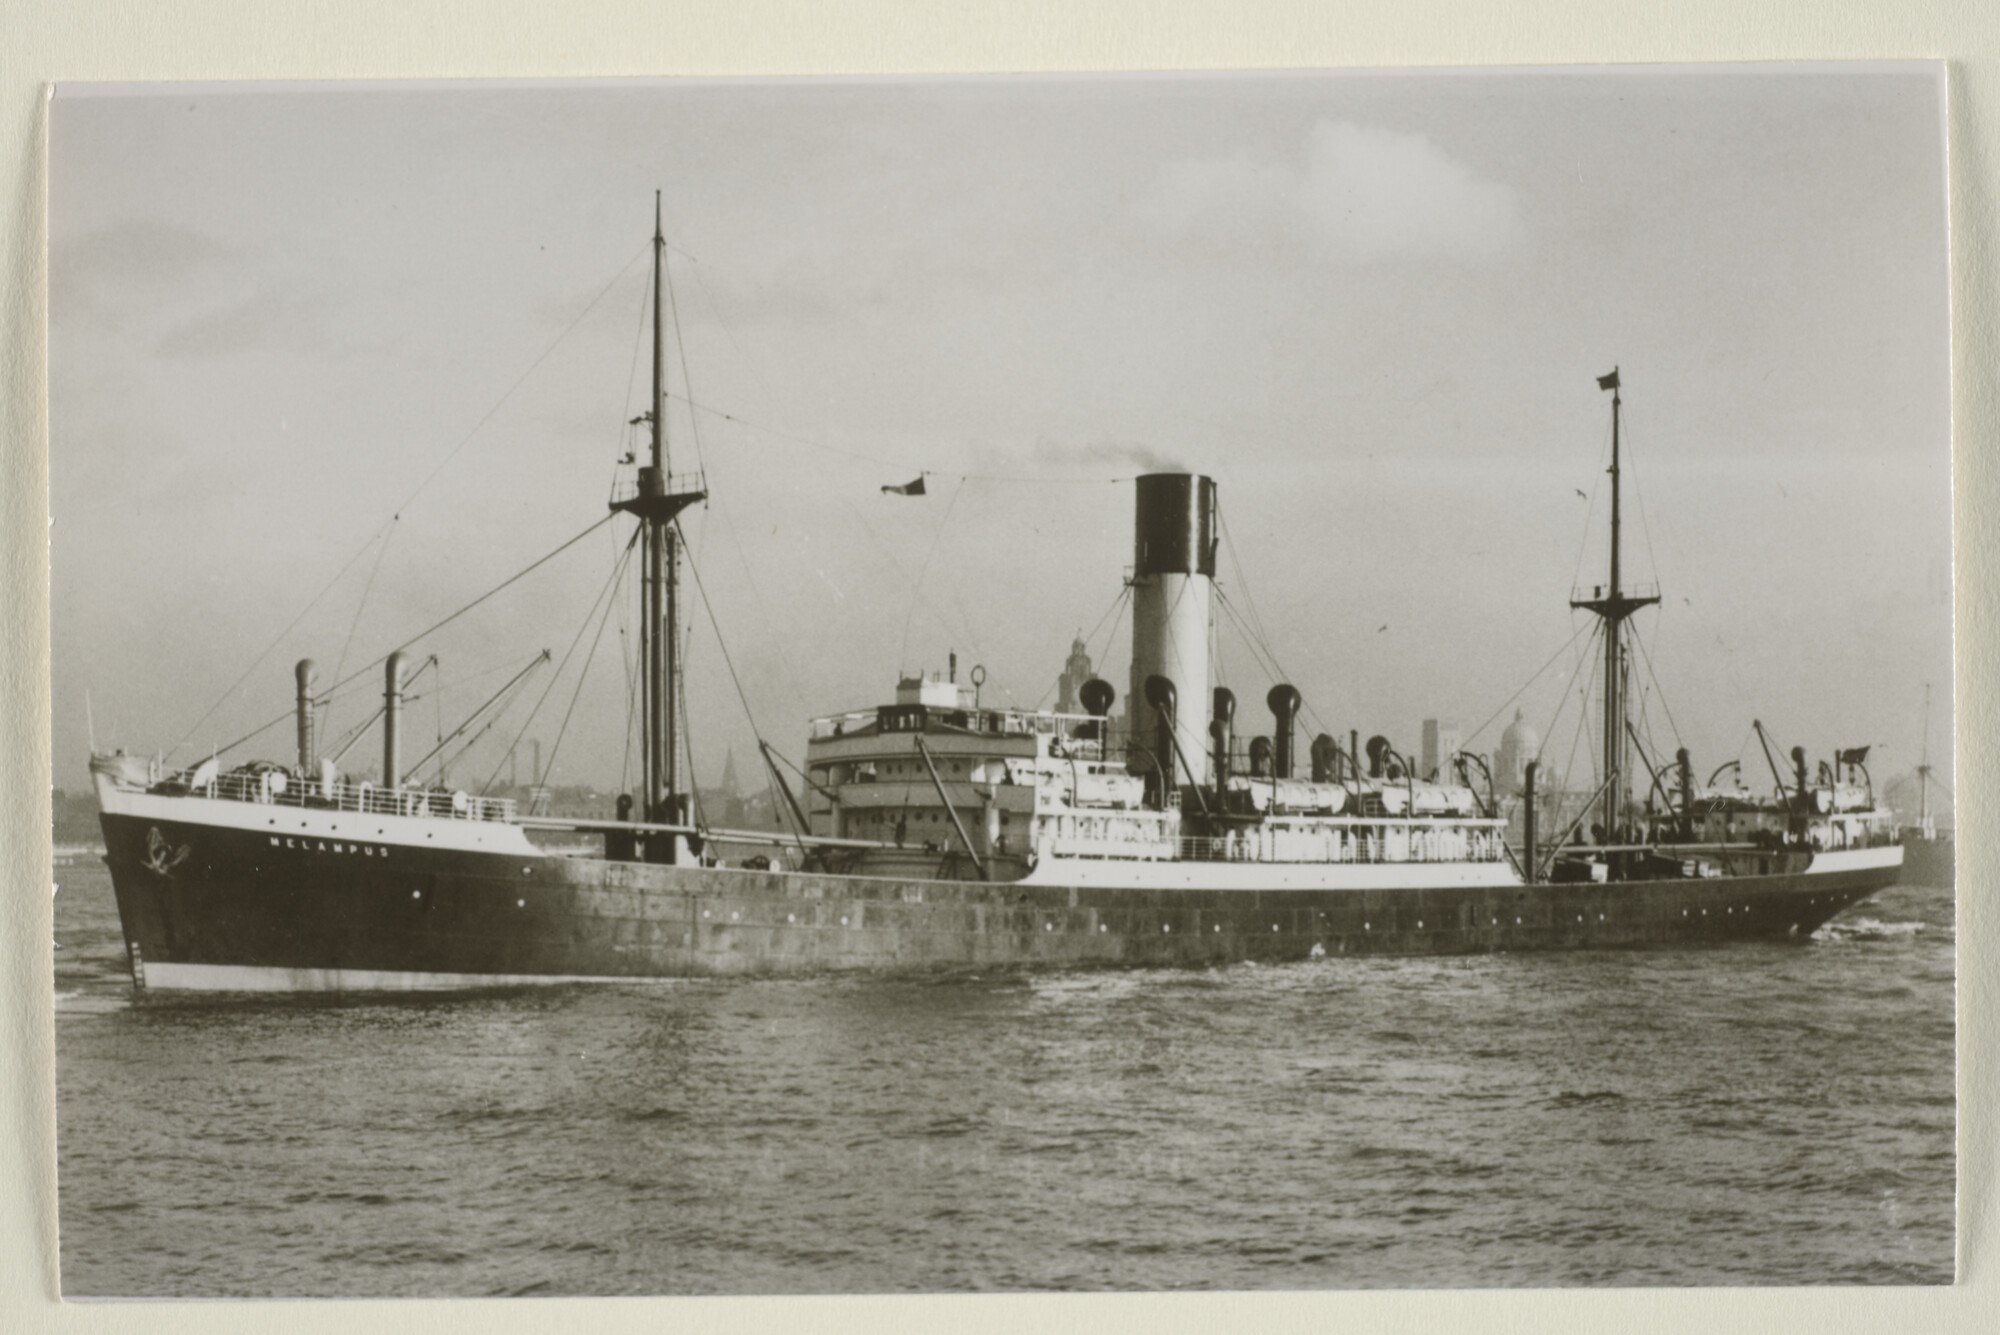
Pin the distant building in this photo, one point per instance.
(733, 807)
(1075, 673)
(1519, 744)
(1441, 742)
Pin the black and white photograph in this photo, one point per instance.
(1273, 681)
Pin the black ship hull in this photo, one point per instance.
(209, 907)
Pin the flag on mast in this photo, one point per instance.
(1608, 381)
(915, 488)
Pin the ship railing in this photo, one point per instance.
(1359, 844)
(833, 725)
(678, 484)
(275, 787)
(1004, 722)
(1592, 593)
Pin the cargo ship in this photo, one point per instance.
(935, 832)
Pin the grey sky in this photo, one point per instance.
(1370, 305)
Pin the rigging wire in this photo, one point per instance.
(1659, 690)
(523, 378)
(916, 588)
(397, 512)
(1639, 500)
(603, 596)
(741, 695)
(495, 707)
(626, 422)
(511, 579)
(1116, 608)
(583, 673)
(1563, 648)
(1264, 663)
(258, 662)
(1596, 485)
(1266, 659)
(900, 465)
(388, 534)
(1242, 576)
(1119, 608)
(680, 349)
(1259, 639)
(1582, 717)
(723, 322)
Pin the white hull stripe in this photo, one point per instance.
(1856, 859)
(1120, 874)
(318, 823)
(266, 978)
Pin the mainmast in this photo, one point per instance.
(658, 499)
(1615, 606)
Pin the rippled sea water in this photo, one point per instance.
(1750, 1114)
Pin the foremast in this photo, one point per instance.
(1615, 606)
(657, 502)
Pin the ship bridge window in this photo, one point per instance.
(901, 718)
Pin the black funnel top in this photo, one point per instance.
(1174, 525)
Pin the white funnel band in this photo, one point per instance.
(1170, 639)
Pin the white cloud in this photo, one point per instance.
(1350, 190)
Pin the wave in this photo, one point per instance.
(1866, 929)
